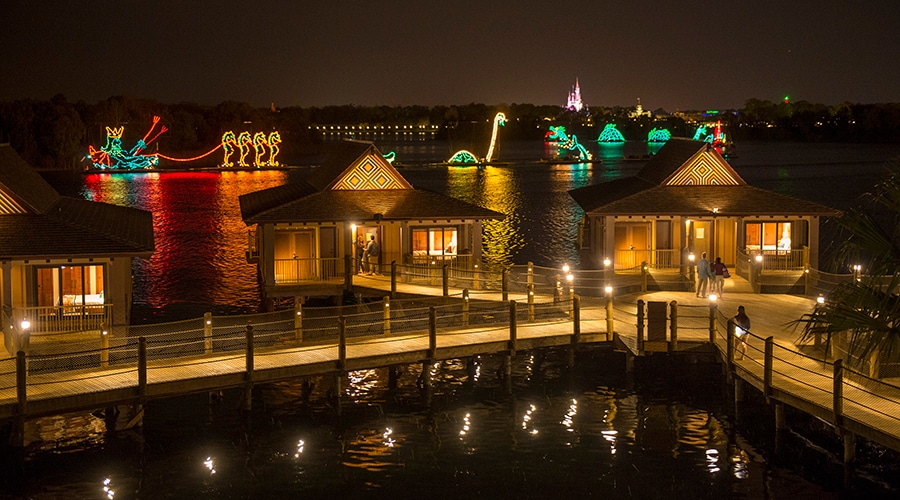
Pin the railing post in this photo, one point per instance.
(644, 276)
(576, 318)
(342, 343)
(249, 336)
(393, 278)
(640, 326)
(530, 277)
(22, 383)
(207, 333)
(730, 340)
(387, 315)
(673, 326)
(713, 308)
(806, 280)
(298, 320)
(531, 302)
(17, 437)
(104, 346)
(348, 272)
(610, 324)
(767, 367)
(838, 394)
(504, 285)
(142, 369)
(476, 274)
(465, 311)
(512, 327)
(445, 280)
(432, 333)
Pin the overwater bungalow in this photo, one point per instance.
(303, 236)
(687, 200)
(65, 262)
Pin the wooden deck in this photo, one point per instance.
(866, 407)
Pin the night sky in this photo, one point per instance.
(676, 55)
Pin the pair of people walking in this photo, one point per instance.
(711, 276)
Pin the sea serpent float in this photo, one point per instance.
(466, 157)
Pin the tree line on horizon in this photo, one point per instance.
(55, 133)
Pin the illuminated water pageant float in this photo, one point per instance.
(567, 147)
(112, 156)
(464, 158)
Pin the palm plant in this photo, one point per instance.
(865, 311)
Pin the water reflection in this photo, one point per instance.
(199, 235)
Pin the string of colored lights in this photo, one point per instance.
(204, 155)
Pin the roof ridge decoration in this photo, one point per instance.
(368, 172)
(705, 168)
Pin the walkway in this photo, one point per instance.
(774, 362)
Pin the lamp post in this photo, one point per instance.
(25, 336)
(691, 259)
(606, 263)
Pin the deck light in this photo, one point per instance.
(607, 262)
(713, 297)
(691, 257)
(565, 268)
(25, 324)
(608, 290)
(759, 258)
(820, 299)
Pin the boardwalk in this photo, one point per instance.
(787, 373)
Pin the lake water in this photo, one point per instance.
(588, 433)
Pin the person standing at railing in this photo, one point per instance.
(704, 273)
(741, 330)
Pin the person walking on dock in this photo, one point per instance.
(741, 330)
(704, 273)
(718, 275)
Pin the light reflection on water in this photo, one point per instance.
(586, 435)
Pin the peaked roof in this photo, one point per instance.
(354, 184)
(357, 165)
(41, 224)
(689, 178)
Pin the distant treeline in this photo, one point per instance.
(56, 133)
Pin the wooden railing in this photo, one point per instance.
(656, 259)
(64, 319)
(292, 271)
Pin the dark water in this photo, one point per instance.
(592, 433)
